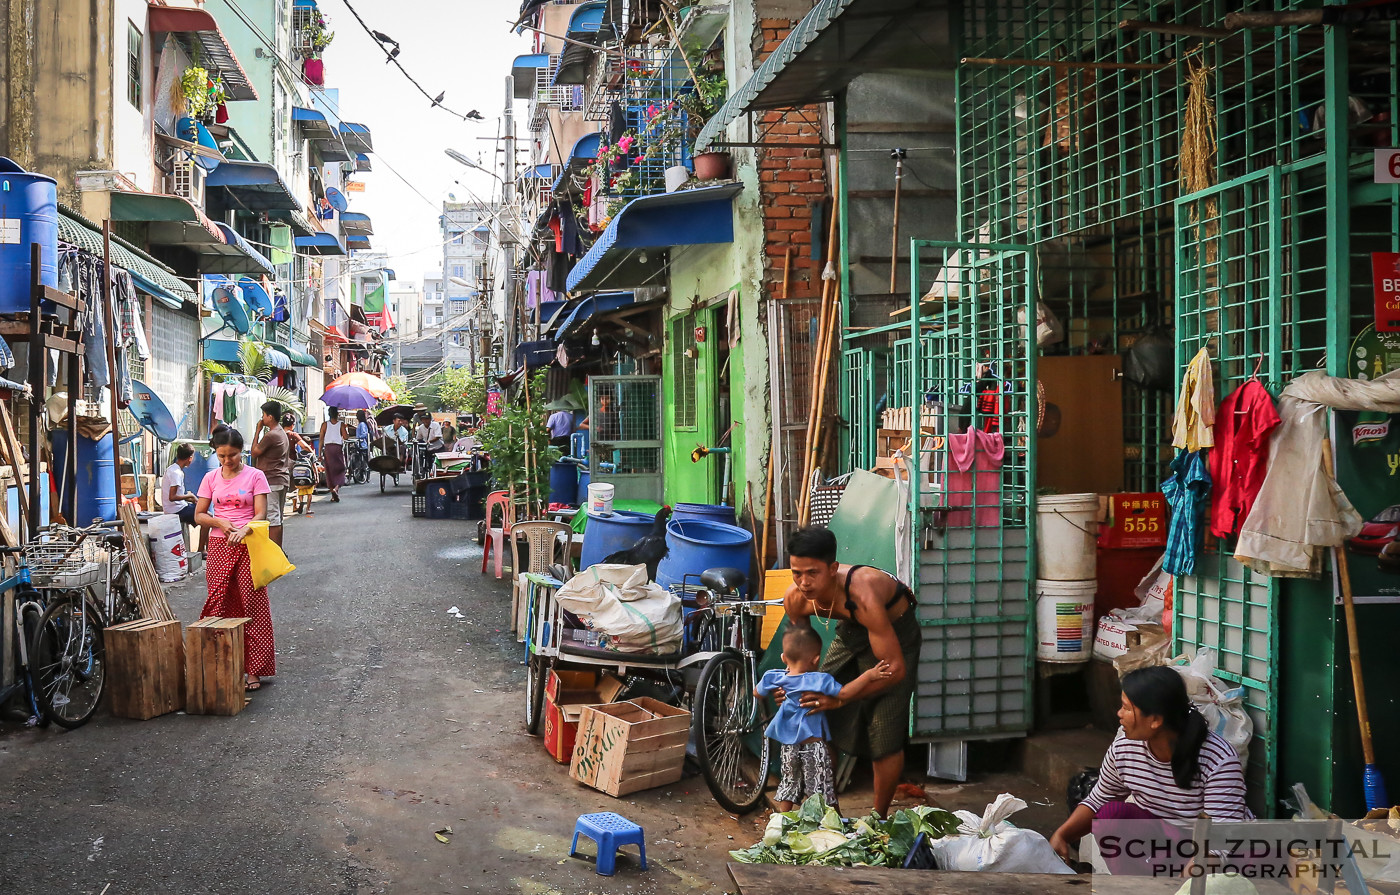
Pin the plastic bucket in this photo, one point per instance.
(1066, 536)
(29, 205)
(1064, 620)
(600, 498)
(705, 512)
(608, 534)
(676, 177)
(696, 545)
(563, 484)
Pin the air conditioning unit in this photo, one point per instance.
(186, 180)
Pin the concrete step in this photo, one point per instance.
(1052, 757)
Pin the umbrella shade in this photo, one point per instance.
(568, 402)
(386, 416)
(348, 397)
(367, 381)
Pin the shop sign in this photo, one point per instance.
(354, 186)
(1385, 280)
(1373, 354)
(1387, 166)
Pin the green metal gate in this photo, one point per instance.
(624, 422)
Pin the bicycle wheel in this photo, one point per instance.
(535, 673)
(68, 660)
(28, 630)
(726, 718)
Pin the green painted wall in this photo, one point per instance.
(253, 118)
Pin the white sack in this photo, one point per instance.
(635, 615)
(166, 536)
(992, 843)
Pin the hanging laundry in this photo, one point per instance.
(1195, 407)
(1301, 510)
(1186, 491)
(94, 333)
(131, 333)
(974, 478)
(1243, 425)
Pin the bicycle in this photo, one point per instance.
(726, 715)
(21, 610)
(359, 463)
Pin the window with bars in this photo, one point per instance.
(683, 366)
(133, 64)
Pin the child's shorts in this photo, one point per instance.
(806, 772)
(305, 491)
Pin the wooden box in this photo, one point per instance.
(146, 667)
(214, 666)
(630, 746)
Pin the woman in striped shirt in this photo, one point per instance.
(1165, 758)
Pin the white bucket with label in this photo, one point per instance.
(600, 498)
(1067, 532)
(1064, 620)
(676, 177)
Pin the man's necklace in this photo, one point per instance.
(817, 607)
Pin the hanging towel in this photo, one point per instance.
(1186, 491)
(1243, 425)
(1195, 406)
(974, 478)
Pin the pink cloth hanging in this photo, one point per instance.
(974, 478)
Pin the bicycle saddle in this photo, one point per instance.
(723, 579)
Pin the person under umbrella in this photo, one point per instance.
(333, 452)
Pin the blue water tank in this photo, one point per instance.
(608, 534)
(96, 488)
(28, 214)
(696, 545)
(200, 464)
(705, 512)
(584, 477)
(563, 484)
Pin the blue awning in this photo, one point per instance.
(590, 307)
(320, 244)
(574, 63)
(362, 163)
(353, 241)
(550, 312)
(322, 132)
(539, 172)
(535, 354)
(225, 351)
(587, 19)
(356, 222)
(525, 71)
(356, 137)
(251, 186)
(585, 148)
(231, 236)
(620, 258)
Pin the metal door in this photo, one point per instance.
(624, 422)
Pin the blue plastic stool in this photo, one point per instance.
(611, 832)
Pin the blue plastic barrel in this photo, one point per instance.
(606, 535)
(584, 477)
(96, 488)
(32, 200)
(200, 464)
(705, 512)
(696, 545)
(563, 484)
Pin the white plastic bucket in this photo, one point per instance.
(1064, 620)
(1067, 536)
(600, 498)
(676, 177)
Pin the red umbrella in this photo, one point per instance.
(367, 381)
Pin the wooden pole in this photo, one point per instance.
(773, 444)
(38, 357)
(112, 373)
(894, 233)
(818, 361)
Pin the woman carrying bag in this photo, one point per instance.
(232, 497)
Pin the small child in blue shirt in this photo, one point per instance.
(803, 733)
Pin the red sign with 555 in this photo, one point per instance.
(1385, 274)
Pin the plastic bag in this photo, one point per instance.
(266, 559)
(1048, 328)
(1151, 361)
(1220, 704)
(991, 843)
(634, 614)
(166, 536)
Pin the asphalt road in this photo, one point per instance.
(388, 720)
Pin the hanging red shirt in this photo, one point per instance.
(1240, 458)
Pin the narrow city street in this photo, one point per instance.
(388, 720)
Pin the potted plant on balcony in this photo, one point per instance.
(195, 93)
(315, 37)
(699, 106)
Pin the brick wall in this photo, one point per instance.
(792, 182)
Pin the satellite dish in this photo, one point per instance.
(256, 296)
(150, 411)
(337, 199)
(229, 305)
(192, 131)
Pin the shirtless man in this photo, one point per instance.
(877, 623)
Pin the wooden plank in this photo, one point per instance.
(63, 299)
(55, 343)
(9, 444)
(768, 879)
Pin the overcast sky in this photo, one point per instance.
(463, 47)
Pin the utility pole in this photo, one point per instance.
(507, 237)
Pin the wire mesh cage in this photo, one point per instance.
(65, 560)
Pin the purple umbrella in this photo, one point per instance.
(348, 397)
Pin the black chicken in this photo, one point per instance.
(649, 550)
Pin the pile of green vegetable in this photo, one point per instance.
(816, 834)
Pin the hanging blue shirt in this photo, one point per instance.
(1186, 491)
(793, 724)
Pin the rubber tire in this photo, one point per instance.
(536, 671)
(731, 665)
(381, 483)
(29, 631)
(48, 628)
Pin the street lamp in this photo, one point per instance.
(462, 158)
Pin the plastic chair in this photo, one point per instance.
(542, 548)
(496, 537)
(611, 831)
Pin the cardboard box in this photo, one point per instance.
(566, 693)
(630, 746)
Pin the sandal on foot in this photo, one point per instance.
(249, 685)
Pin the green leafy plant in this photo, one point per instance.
(815, 834)
(463, 389)
(195, 88)
(518, 443)
(316, 36)
(252, 361)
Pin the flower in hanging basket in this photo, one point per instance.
(194, 89)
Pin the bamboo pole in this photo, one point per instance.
(817, 360)
(112, 375)
(773, 443)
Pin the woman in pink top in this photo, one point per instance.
(230, 497)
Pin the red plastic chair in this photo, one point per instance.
(496, 537)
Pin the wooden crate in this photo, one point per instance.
(630, 746)
(146, 668)
(214, 666)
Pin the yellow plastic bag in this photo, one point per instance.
(266, 559)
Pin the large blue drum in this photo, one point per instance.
(695, 545)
